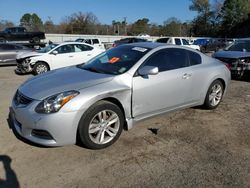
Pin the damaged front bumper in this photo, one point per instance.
(23, 66)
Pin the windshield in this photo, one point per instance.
(47, 48)
(240, 45)
(116, 60)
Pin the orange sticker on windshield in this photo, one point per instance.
(114, 60)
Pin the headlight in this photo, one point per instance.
(54, 103)
(27, 60)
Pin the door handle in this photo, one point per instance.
(71, 56)
(88, 54)
(186, 76)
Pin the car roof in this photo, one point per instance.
(150, 45)
(72, 42)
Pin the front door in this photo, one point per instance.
(66, 56)
(167, 90)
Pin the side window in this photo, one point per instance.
(163, 40)
(177, 41)
(20, 30)
(185, 42)
(95, 41)
(68, 48)
(82, 48)
(194, 58)
(88, 41)
(168, 59)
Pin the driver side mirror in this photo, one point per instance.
(55, 52)
(148, 70)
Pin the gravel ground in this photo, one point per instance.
(193, 148)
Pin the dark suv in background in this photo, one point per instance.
(237, 56)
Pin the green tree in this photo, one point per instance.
(26, 20)
(80, 23)
(140, 26)
(36, 22)
(172, 27)
(234, 12)
(31, 21)
(202, 24)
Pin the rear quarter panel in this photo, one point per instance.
(210, 71)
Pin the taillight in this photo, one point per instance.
(114, 45)
(228, 66)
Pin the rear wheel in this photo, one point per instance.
(214, 95)
(35, 40)
(40, 68)
(101, 125)
(2, 39)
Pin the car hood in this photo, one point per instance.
(28, 54)
(231, 54)
(60, 80)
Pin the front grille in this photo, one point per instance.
(21, 99)
(42, 134)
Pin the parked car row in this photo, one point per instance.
(212, 45)
(178, 41)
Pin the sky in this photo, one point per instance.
(157, 11)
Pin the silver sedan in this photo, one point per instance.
(93, 102)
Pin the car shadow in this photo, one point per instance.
(21, 74)
(7, 65)
(10, 175)
(11, 126)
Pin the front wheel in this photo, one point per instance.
(40, 68)
(214, 95)
(101, 125)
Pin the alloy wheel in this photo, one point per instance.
(215, 95)
(104, 127)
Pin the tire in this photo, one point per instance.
(94, 131)
(40, 68)
(214, 95)
(2, 39)
(35, 40)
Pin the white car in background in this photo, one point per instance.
(56, 56)
(178, 41)
(93, 42)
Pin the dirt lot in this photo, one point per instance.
(193, 148)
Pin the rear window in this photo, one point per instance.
(177, 41)
(162, 40)
(240, 45)
(194, 58)
(95, 41)
(185, 42)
